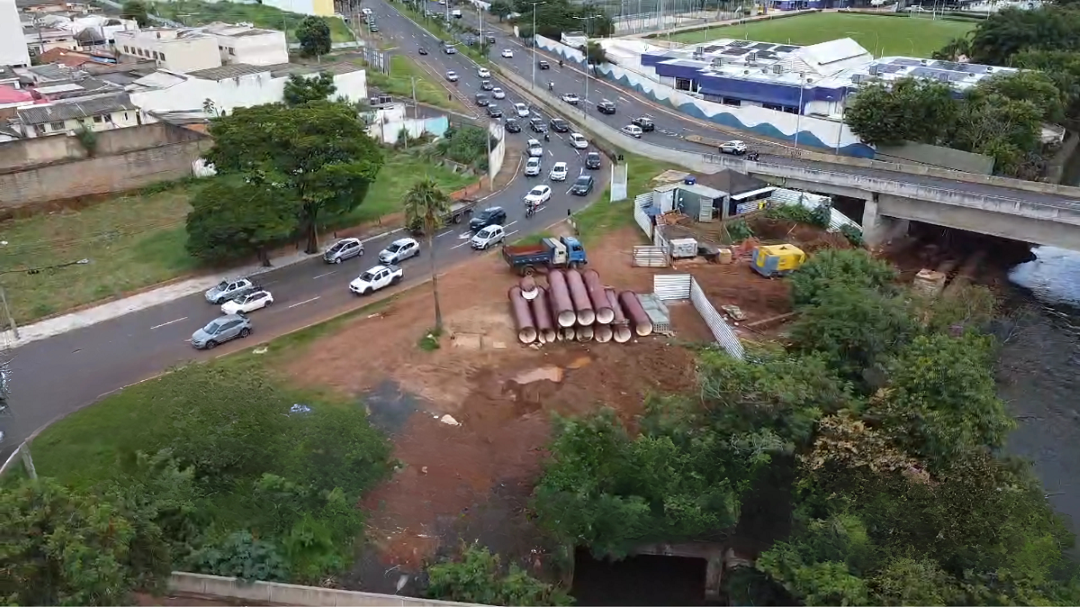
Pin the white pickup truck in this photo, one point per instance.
(375, 279)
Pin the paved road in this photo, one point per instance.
(58, 375)
(673, 126)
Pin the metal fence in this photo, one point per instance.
(670, 287)
(644, 221)
(650, 256)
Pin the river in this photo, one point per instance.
(1038, 373)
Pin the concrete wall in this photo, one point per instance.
(26, 153)
(938, 156)
(279, 594)
(169, 158)
(816, 132)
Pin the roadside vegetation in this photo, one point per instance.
(882, 35)
(404, 73)
(196, 12)
(604, 216)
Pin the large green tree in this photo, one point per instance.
(301, 89)
(426, 205)
(233, 217)
(827, 268)
(314, 36)
(909, 109)
(478, 577)
(317, 154)
(1005, 33)
(137, 10)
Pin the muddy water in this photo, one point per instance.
(1038, 373)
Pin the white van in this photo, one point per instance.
(456, 13)
(632, 131)
(492, 235)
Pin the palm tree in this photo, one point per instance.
(426, 205)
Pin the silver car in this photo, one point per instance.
(343, 250)
(229, 290)
(399, 250)
(221, 329)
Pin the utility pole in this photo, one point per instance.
(798, 115)
(534, 5)
(480, 18)
(7, 313)
(588, 64)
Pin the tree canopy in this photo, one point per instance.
(314, 36)
(558, 16)
(317, 155)
(301, 89)
(234, 217)
(478, 577)
(137, 10)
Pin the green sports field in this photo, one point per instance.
(883, 35)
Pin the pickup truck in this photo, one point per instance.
(562, 252)
(459, 211)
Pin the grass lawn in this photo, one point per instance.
(403, 72)
(881, 35)
(194, 12)
(138, 240)
(603, 216)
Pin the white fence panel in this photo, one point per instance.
(643, 220)
(619, 176)
(723, 333)
(659, 239)
(672, 286)
(650, 256)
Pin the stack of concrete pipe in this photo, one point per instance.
(576, 306)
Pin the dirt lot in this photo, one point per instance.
(470, 476)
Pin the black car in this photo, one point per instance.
(423, 51)
(582, 185)
(482, 99)
(374, 28)
(646, 124)
(592, 160)
(512, 126)
(606, 107)
(559, 125)
(487, 217)
(543, 64)
(494, 111)
(490, 38)
(536, 125)
(485, 85)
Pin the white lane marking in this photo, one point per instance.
(465, 235)
(511, 233)
(510, 224)
(569, 189)
(169, 322)
(462, 244)
(325, 274)
(304, 302)
(623, 99)
(444, 233)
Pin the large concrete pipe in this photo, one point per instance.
(598, 297)
(621, 327)
(562, 307)
(542, 315)
(567, 334)
(634, 311)
(528, 288)
(603, 333)
(522, 316)
(584, 333)
(579, 295)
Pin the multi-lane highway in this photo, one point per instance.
(57, 375)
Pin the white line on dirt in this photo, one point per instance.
(304, 302)
(169, 322)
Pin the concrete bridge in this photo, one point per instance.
(1032, 212)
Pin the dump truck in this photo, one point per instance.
(458, 212)
(549, 253)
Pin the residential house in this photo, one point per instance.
(176, 50)
(215, 91)
(40, 40)
(243, 44)
(96, 112)
(76, 59)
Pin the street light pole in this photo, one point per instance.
(534, 5)
(588, 71)
(798, 115)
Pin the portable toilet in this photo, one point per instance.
(777, 260)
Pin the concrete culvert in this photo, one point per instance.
(562, 307)
(585, 333)
(522, 316)
(528, 288)
(579, 296)
(598, 297)
(634, 311)
(567, 334)
(621, 327)
(542, 315)
(603, 333)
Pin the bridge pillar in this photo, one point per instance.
(879, 229)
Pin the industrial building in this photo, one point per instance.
(808, 80)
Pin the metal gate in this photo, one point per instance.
(644, 221)
(705, 209)
(651, 256)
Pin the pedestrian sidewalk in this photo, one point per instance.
(141, 301)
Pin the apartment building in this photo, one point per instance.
(243, 44)
(177, 50)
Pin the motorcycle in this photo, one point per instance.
(532, 208)
(753, 156)
(551, 86)
(546, 136)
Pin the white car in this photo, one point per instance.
(508, 53)
(491, 235)
(245, 304)
(483, 73)
(451, 76)
(578, 141)
(571, 99)
(558, 172)
(522, 110)
(532, 167)
(498, 93)
(535, 149)
(735, 147)
(399, 250)
(632, 131)
(538, 195)
(375, 279)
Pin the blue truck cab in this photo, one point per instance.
(549, 253)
